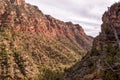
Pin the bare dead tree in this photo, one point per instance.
(114, 31)
(116, 36)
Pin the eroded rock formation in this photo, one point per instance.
(103, 62)
(37, 46)
(18, 2)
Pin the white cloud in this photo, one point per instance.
(86, 13)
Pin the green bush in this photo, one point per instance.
(109, 75)
(53, 75)
(94, 52)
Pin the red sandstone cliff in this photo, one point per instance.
(37, 46)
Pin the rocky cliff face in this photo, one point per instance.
(103, 62)
(37, 46)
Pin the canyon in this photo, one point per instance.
(103, 61)
(35, 46)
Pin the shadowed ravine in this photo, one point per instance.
(35, 46)
(103, 61)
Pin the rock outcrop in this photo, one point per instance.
(18, 2)
(103, 62)
(37, 46)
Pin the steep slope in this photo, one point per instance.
(37, 46)
(103, 62)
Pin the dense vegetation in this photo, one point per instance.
(34, 46)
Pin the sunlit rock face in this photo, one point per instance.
(35, 46)
(18, 2)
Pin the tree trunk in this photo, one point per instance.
(116, 36)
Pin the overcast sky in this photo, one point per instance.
(87, 13)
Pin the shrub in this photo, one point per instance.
(109, 75)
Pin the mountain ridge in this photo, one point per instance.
(34, 46)
(102, 62)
